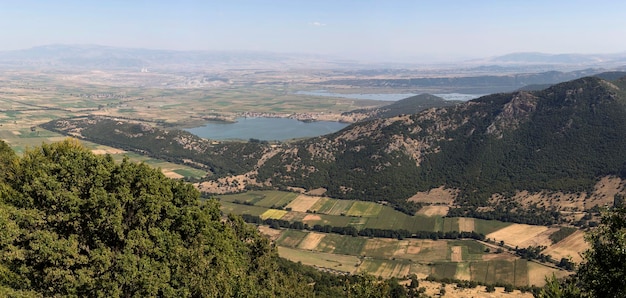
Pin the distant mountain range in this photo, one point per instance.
(114, 58)
(105, 57)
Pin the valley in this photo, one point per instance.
(444, 190)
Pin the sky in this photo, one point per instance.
(365, 30)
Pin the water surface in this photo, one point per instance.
(267, 129)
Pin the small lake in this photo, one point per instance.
(387, 96)
(266, 129)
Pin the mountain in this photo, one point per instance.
(410, 105)
(471, 84)
(560, 139)
(81, 57)
(543, 58)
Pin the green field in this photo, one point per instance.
(359, 214)
(265, 198)
(291, 238)
(513, 272)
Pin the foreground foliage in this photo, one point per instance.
(76, 224)
(603, 270)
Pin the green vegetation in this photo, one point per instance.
(77, 224)
(561, 234)
(602, 272)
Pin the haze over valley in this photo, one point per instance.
(353, 149)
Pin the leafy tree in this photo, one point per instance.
(555, 288)
(76, 224)
(603, 271)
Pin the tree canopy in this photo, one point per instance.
(75, 224)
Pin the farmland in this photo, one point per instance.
(442, 259)
(385, 257)
(340, 213)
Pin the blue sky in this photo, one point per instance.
(366, 30)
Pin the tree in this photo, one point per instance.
(490, 289)
(555, 288)
(76, 224)
(603, 270)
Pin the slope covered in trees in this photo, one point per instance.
(80, 225)
(560, 139)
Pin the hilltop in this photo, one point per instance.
(409, 105)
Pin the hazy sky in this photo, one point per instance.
(374, 30)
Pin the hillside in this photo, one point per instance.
(561, 139)
(410, 105)
(527, 156)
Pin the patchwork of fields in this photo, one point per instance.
(453, 259)
(341, 213)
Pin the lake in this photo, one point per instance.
(387, 96)
(267, 129)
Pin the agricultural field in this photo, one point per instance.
(341, 213)
(452, 259)
(570, 247)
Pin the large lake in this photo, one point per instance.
(267, 129)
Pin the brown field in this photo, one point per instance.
(342, 263)
(387, 269)
(173, 175)
(381, 248)
(109, 150)
(466, 224)
(434, 210)
(294, 216)
(311, 218)
(302, 203)
(457, 254)
(537, 273)
(413, 249)
(438, 195)
(311, 241)
(273, 234)
(572, 246)
(521, 235)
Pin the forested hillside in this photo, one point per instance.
(559, 139)
(80, 225)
